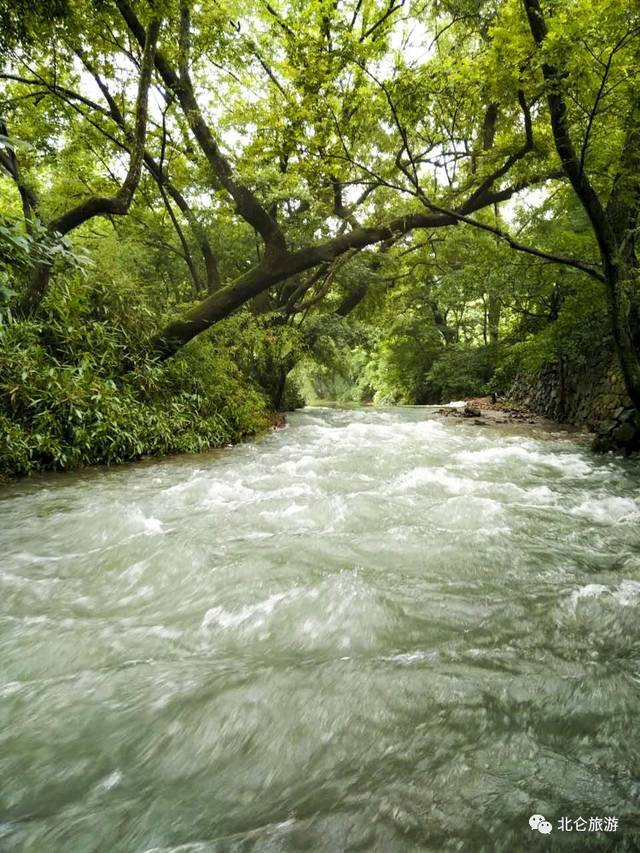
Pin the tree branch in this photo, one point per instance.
(9, 162)
(274, 270)
(119, 204)
(391, 8)
(247, 205)
(562, 138)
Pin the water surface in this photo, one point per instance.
(369, 631)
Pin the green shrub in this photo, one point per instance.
(580, 329)
(401, 359)
(78, 390)
(461, 372)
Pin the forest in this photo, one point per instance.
(215, 211)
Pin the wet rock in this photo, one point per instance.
(625, 433)
(471, 412)
(621, 433)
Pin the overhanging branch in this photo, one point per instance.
(119, 204)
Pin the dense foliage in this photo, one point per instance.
(78, 385)
(204, 204)
(64, 400)
(464, 317)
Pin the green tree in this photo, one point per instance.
(286, 146)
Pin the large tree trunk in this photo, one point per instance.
(614, 225)
(215, 307)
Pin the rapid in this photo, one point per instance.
(372, 630)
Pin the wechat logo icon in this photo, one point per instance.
(540, 823)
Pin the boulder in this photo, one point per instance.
(620, 433)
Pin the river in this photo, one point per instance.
(372, 630)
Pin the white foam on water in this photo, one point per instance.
(443, 480)
(627, 593)
(284, 512)
(412, 657)
(298, 490)
(468, 512)
(234, 493)
(569, 464)
(251, 613)
(135, 571)
(437, 476)
(540, 495)
(153, 525)
(111, 781)
(590, 590)
(341, 612)
(610, 509)
(299, 467)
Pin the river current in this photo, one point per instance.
(369, 631)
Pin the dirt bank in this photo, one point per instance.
(487, 412)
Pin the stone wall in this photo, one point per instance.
(588, 393)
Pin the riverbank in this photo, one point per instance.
(487, 412)
(271, 421)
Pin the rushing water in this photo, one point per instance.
(369, 631)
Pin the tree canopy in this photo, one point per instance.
(467, 164)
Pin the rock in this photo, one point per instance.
(472, 412)
(620, 433)
(629, 416)
(625, 434)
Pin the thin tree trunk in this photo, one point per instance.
(36, 290)
(493, 317)
(613, 225)
(622, 285)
